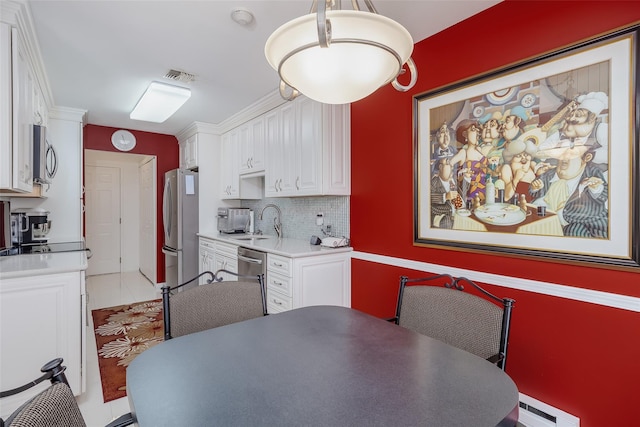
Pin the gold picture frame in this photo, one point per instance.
(537, 160)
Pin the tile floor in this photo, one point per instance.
(106, 291)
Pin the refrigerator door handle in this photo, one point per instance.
(167, 204)
(169, 251)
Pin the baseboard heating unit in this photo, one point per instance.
(534, 413)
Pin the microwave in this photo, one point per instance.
(45, 161)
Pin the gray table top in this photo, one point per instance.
(316, 366)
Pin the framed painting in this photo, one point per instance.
(539, 159)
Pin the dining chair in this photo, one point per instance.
(55, 406)
(439, 307)
(213, 304)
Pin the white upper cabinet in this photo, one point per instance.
(17, 88)
(308, 150)
(280, 135)
(189, 152)
(273, 146)
(252, 146)
(40, 112)
(310, 154)
(230, 178)
(302, 148)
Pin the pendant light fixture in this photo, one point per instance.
(340, 56)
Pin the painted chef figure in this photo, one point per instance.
(576, 189)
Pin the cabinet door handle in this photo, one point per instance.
(297, 183)
(276, 302)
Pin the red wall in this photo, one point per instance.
(579, 357)
(166, 150)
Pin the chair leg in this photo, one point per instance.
(166, 313)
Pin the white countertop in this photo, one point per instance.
(41, 264)
(292, 248)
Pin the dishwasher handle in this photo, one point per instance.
(251, 260)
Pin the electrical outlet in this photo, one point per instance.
(320, 219)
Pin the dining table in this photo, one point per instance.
(316, 366)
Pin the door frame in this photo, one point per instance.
(127, 162)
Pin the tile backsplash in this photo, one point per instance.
(299, 215)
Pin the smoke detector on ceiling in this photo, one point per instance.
(180, 76)
(242, 16)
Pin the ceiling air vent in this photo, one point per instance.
(180, 76)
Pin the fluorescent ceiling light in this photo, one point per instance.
(340, 56)
(159, 102)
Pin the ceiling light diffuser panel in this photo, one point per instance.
(159, 102)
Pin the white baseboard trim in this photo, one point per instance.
(563, 291)
(534, 413)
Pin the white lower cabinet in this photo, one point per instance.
(216, 256)
(207, 254)
(226, 258)
(41, 318)
(300, 282)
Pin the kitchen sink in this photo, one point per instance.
(250, 237)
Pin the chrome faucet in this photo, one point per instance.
(277, 225)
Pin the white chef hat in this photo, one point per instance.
(594, 102)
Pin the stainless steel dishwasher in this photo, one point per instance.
(251, 262)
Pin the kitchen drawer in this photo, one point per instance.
(276, 302)
(279, 283)
(206, 243)
(227, 249)
(279, 264)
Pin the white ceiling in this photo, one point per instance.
(101, 55)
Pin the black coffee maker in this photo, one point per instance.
(29, 226)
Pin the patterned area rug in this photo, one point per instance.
(122, 333)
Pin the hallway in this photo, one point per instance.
(106, 291)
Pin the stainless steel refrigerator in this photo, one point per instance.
(180, 223)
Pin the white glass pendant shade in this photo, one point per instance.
(358, 61)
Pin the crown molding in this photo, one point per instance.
(261, 106)
(70, 114)
(198, 127)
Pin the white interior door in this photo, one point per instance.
(102, 198)
(148, 220)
